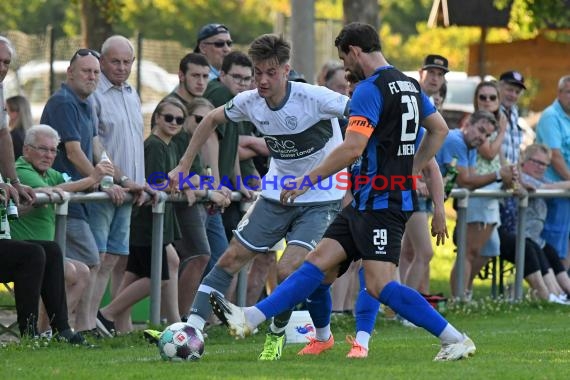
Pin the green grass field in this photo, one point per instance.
(527, 340)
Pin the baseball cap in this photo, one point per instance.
(436, 61)
(513, 77)
(208, 31)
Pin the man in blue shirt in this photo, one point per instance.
(70, 113)
(553, 130)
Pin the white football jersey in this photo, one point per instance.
(300, 133)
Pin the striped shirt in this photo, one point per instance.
(514, 135)
(121, 126)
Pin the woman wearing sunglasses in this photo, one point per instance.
(483, 213)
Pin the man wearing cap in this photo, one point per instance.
(553, 130)
(432, 74)
(215, 42)
(511, 86)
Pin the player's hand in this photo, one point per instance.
(293, 189)
(439, 227)
(174, 177)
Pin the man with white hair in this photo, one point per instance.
(120, 129)
(34, 168)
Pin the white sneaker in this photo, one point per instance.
(230, 315)
(456, 351)
(557, 299)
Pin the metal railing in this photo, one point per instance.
(61, 211)
(462, 195)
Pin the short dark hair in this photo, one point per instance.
(478, 115)
(358, 34)
(270, 46)
(236, 58)
(194, 58)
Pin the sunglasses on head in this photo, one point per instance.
(198, 118)
(485, 97)
(83, 53)
(170, 118)
(220, 44)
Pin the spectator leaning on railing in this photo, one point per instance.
(38, 223)
(553, 130)
(461, 144)
(542, 267)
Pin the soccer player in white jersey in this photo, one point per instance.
(300, 126)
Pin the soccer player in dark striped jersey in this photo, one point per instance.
(386, 110)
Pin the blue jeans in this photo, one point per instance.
(216, 238)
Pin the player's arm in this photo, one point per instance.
(434, 183)
(436, 130)
(343, 156)
(356, 138)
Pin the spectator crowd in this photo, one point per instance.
(92, 129)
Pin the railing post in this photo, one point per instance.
(156, 259)
(461, 227)
(520, 248)
(61, 210)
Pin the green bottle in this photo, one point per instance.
(3, 217)
(450, 177)
(12, 209)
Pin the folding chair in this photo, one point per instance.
(12, 328)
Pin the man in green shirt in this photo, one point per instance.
(38, 222)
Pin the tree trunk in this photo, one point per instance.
(366, 11)
(96, 22)
(303, 37)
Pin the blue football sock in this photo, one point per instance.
(361, 279)
(408, 303)
(366, 307)
(366, 310)
(319, 305)
(298, 286)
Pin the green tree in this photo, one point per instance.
(532, 15)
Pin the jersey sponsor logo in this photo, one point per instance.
(229, 104)
(299, 145)
(360, 124)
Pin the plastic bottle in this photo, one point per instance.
(106, 181)
(450, 177)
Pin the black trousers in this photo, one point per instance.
(35, 268)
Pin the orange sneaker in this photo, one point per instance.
(356, 351)
(316, 347)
